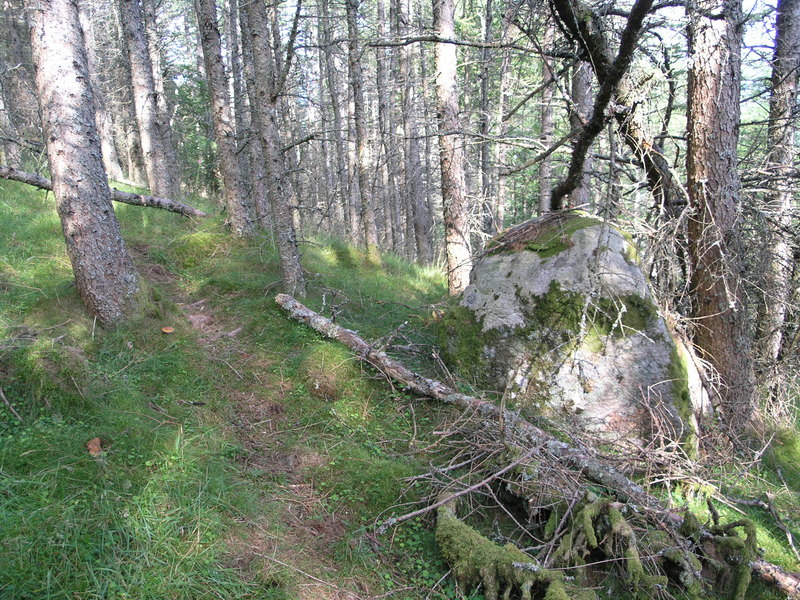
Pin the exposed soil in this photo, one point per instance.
(302, 552)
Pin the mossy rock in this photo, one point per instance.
(559, 317)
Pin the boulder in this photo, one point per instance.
(559, 318)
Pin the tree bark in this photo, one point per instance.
(360, 125)
(721, 334)
(780, 160)
(546, 123)
(418, 212)
(117, 195)
(152, 129)
(268, 84)
(340, 145)
(105, 276)
(395, 231)
(451, 153)
(240, 211)
(580, 111)
(104, 125)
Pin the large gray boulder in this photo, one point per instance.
(560, 319)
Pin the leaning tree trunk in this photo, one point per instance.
(451, 149)
(104, 272)
(780, 165)
(721, 336)
(152, 129)
(239, 208)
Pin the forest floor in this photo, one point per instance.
(241, 455)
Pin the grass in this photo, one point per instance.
(232, 465)
(178, 505)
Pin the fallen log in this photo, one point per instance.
(43, 183)
(523, 433)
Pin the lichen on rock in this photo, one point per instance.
(559, 317)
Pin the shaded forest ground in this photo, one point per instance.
(241, 455)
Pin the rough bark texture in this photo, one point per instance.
(451, 153)
(520, 433)
(105, 276)
(117, 195)
(268, 81)
(240, 211)
(545, 176)
(417, 205)
(102, 116)
(780, 164)
(580, 111)
(152, 129)
(721, 336)
(360, 125)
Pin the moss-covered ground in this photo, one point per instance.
(241, 456)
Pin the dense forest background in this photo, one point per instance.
(397, 133)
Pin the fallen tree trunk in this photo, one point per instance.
(522, 433)
(43, 183)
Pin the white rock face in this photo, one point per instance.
(576, 333)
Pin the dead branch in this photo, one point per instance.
(43, 183)
(535, 442)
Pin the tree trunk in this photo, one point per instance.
(451, 148)
(165, 110)
(546, 137)
(266, 87)
(721, 336)
(360, 125)
(152, 129)
(418, 212)
(340, 146)
(781, 135)
(105, 276)
(240, 212)
(488, 171)
(104, 124)
(386, 118)
(580, 112)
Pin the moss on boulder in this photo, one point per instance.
(559, 317)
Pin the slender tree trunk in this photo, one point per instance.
(152, 129)
(104, 125)
(488, 171)
(722, 336)
(418, 210)
(105, 276)
(451, 149)
(266, 87)
(240, 211)
(126, 122)
(360, 125)
(501, 149)
(780, 162)
(255, 153)
(547, 125)
(386, 118)
(164, 108)
(331, 80)
(580, 113)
